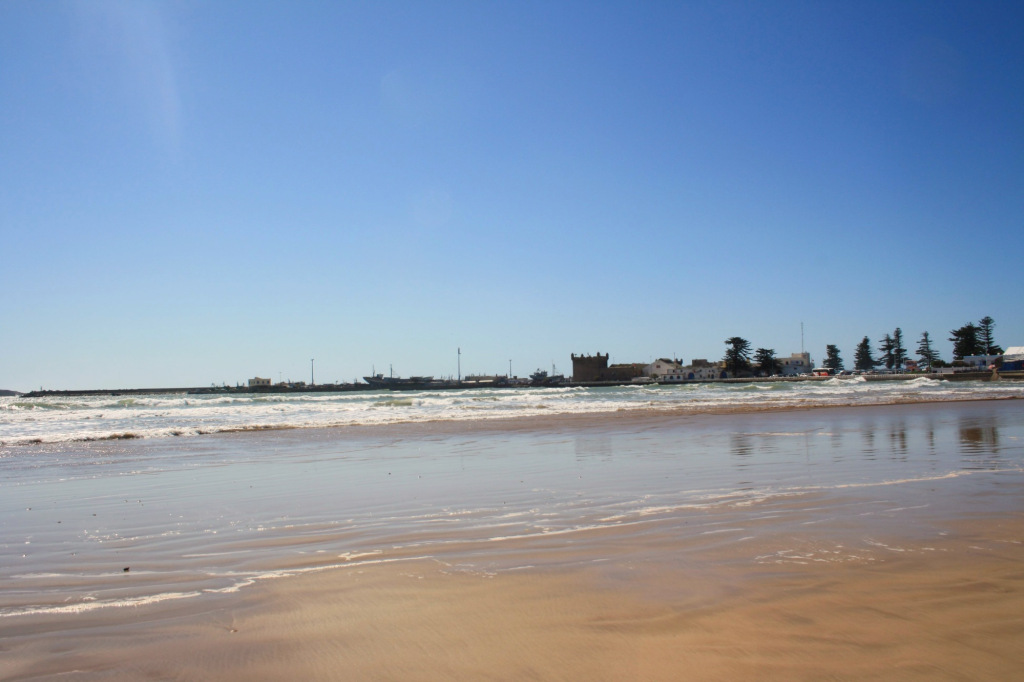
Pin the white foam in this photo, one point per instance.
(238, 582)
(66, 419)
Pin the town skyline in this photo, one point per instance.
(195, 193)
(849, 361)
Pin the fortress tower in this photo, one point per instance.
(589, 367)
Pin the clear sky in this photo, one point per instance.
(203, 192)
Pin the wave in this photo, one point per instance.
(235, 582)
(165, 416)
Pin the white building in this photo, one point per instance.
(668, 371)
(698, 370)
(258, 381)
(663, 367)
(702, 370)
(980, 362)
(797, 363)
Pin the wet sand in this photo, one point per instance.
(853, 580)
(954, 613)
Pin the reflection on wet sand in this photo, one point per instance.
(979, 442)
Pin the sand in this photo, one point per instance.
(839, 583)
(944, 615)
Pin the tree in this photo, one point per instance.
(862, 359)
(899, 353)
(928, 356)
(965, 341)
(832, 359)
(766, 362)
(886, 349)
(986, 342)
(737, 356)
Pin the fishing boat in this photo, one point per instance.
(381, 381)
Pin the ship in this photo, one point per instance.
(393, 383)
(541, 378)
(397, 383)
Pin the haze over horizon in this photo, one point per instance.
(197, 193)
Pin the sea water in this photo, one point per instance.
(85, 418)
(100, 524)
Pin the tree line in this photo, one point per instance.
(970, 339)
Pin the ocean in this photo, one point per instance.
(88, 418)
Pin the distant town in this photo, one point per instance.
(976, 356)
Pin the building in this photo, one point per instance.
(258, 381)
(589, 368)
(698, 370)
(662, 368)
(980, 363)
(797, 363)
(702, 370)
(1013, 359)
(624, 371)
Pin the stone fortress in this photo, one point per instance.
(595, 369)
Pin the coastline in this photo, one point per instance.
(469, 386)
(174, 416)
(882, 541)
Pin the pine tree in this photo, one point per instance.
(766, 362)
(886, 349)
(986, 341)
(832, 359)
(925, 352)
(862, 358)
(899, 353)
(965, 341)
(737, 357)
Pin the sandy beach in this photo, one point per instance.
(841, 543)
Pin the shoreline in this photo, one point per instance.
(802, 544)
(505, 423)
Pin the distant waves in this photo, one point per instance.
(98, 418)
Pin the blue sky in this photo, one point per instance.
(196, 193)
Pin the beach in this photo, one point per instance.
(843, 542)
